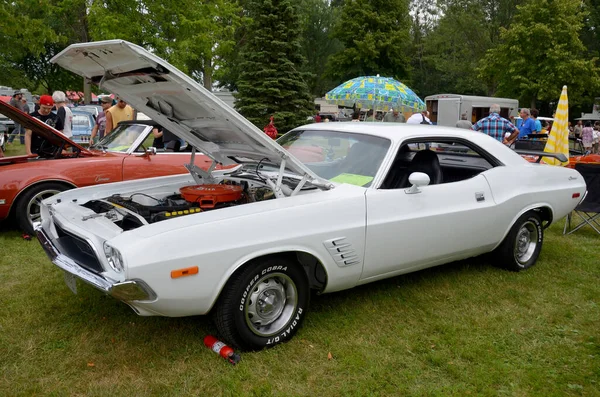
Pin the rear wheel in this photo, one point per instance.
(521, 247)
(28, 205)
(263, 305)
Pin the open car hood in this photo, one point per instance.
(177, 102)
(38, 127)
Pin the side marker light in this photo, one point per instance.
(188, 271)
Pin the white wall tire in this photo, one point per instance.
(263, 305)
(523, 244)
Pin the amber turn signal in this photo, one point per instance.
(188, 271)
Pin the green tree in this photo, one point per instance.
(424, 20)
(590, 34)
(317, 18)
(195, 36)
(33, 32)
(449, 39)
(452, 49)
(271, 82)
(375, 35)
(540, 52)
(205, 40)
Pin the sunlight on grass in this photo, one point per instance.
(15, 148)
(466, 328)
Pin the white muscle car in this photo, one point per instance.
(327, 207)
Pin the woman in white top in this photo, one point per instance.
(64, 123)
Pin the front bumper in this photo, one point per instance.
(130, 290)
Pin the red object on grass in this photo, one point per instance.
(221, 349)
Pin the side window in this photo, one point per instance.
(146, 144)
(443, 160)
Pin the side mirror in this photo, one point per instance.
(417, 180)
(151, 151)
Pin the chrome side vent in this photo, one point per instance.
(342, 251)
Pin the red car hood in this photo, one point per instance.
(38, 128)
(589, 159)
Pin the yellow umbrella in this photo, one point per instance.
(558, 141)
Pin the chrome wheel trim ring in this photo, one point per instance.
(526, 242)
(271, 304)
(35, 204)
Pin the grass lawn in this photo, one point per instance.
(15, 148)
(466, 328)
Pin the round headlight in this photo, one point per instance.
(114, 258)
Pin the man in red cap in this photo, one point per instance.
(44, 113)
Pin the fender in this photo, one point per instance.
(271, 251)
(524, 210)
(35, 182)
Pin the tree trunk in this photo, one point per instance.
(87, 91)
(207, 74)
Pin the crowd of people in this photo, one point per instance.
(589, 134)
(51, 109)
(498, 127)
(55, 110)
(393, 116)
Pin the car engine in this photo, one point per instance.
(137, 209)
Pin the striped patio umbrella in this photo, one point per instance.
(558, 140)
(377, 93)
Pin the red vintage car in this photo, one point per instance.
(62, 164)
(577, 154)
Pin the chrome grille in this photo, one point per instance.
(78, 250)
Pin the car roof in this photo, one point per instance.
(398, 132)
(391, 131)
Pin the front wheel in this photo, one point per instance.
(264, 305)
(28, 205)
(521, 247)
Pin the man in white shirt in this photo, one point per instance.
(65, 117)
(419, 118)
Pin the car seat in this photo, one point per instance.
(362, 159)
(427, 162)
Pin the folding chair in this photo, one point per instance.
(589, 209)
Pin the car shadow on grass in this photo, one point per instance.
(426, 278)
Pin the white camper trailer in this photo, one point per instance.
(446, 109)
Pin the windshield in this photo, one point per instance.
(338, 156)
(89, 109)
(81, 120)
(122, 138)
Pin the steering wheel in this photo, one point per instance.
(47, 150)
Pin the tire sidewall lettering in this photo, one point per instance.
(288, 330)
(273, 268)
(539, 229)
